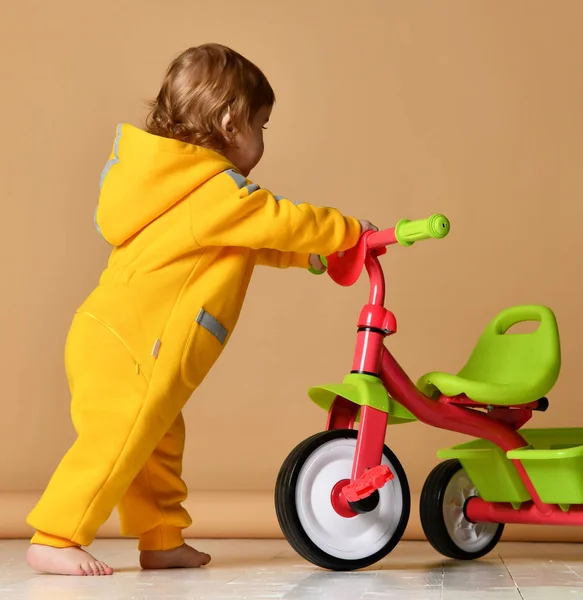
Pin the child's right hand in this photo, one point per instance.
(364, 227)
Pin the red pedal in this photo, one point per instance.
(373, 479)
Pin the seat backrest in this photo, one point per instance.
(528, 359)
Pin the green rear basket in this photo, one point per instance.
(494, 476)
(553, 460)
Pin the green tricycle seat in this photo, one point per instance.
(506, 368)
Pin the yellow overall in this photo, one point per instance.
(187, 231)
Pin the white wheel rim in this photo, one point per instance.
(467, 536)
(345, 538)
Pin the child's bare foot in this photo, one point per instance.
(64, 561)
(183, 557)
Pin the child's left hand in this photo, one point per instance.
(316, 263)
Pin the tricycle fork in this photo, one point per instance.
(371, 432)
(368, 474)
(370, 441)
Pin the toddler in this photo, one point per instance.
(187, 229)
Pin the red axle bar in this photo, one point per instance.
(480, 511)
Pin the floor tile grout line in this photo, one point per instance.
(573, 571)
(511, 576)
(442, 580)
(367, 588)
(27, 578)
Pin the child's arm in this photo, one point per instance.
(285, 260)
(282, 260)
(250, 217)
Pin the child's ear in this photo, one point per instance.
(227, 123)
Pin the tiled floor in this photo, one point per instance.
(270, 570)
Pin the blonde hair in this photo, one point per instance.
(201, 86)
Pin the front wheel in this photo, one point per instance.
(311, 524)
(443, 499)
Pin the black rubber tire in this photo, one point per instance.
(433, 520)
(286, 510)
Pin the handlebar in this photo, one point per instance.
(346, 270)
(408, 232)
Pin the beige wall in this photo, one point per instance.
(387, 109)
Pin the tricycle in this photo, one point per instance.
(342, 497)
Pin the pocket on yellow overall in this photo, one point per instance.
(204, 345)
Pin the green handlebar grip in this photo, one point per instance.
(408, 232)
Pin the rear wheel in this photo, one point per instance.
(443, 499)
(311, 524)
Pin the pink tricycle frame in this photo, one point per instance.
(498, 425)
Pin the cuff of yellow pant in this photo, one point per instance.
(46, 539)
(163, 537)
